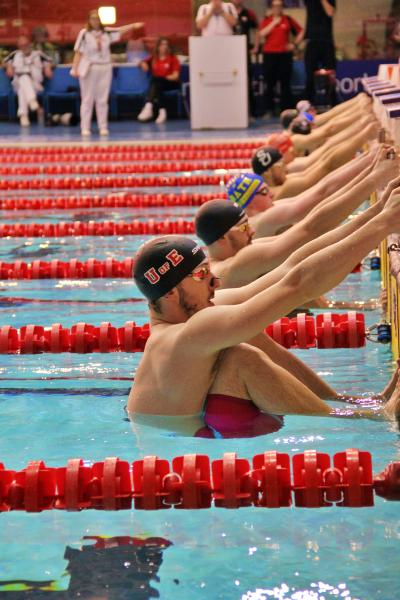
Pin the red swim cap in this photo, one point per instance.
(280, 141)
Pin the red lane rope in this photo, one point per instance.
(324, 331)
(111, 149)
(130, 156)
(106, 228)
(122, 200)
(66, 183)
(110, 169)
(192, 481)
(73, 269)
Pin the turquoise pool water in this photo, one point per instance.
(54, 407)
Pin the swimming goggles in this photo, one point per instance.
(201, 273)
(242, 227)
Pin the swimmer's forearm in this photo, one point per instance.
(312, 276)
(332, 237)
(331, 214)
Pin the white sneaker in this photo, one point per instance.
(33, 105)
(162, 116)
(146, 112)
(103, 131)
(24, 121)
(85, 132)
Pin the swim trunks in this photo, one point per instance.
(231, 417)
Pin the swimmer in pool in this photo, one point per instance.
(286, 185)
(200, 347)
(269, 216)
(226, 228)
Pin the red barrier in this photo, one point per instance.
(125, 181)
(172, 151)
(328, 330)
(116, 200)
(73, 269)
(191, 482)
(103, 228)
(84, 338)
(108, 168)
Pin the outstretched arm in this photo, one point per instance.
(238, 295)
(292, 210)
(222, 327)
(298, 182)
(125, 28)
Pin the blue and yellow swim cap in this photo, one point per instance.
(242, 188)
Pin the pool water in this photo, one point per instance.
(55, 407)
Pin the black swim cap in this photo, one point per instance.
(287, 116)
(264, 158)
(215, 218)
(162, 263)
(301, 126)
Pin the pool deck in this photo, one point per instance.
(131, 132)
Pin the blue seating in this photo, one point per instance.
(129, 83)
(7, 96)
(60, 91)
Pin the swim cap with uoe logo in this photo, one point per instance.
(164, 262)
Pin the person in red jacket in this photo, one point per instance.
(277, 30)
(164, 68)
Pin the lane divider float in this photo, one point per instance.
(304, 331)
(97, 228)
(193, 481)
(134, 155)
(110, 169)
(128, 181)
(115, 200)
(111, 149)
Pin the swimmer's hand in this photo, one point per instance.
(385, 167)
(391, 211)
(390, 188)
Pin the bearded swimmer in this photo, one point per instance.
(198, 353)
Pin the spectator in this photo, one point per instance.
(320, 49)
(92, 64)
(27, 68)
(276, 29)
(135, 52)
(216, 18)
(40, 41)
(247, 21)
(164, 69)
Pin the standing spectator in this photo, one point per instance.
(216, 18)
(164, 68)
(277, 29)
(247, 20)
(320, 49)
(92, 64)
(27, 68)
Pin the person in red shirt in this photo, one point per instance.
(164, 68)
(277, 30)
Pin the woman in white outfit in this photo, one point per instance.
(92, 64)
(27, 68)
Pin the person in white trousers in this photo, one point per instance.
(92, 65)
(27, 69)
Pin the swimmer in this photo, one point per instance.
(286, 185)
(200, 342)
(312, 210)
